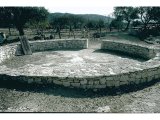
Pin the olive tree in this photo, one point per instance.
(19, 16)
(127, 14)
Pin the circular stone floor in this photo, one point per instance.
(70, 63)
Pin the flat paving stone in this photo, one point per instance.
(72, 63)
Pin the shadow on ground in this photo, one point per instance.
(57, 90)
(121, 54)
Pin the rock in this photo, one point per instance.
(66, 84)
(102, 81)
(105, 109)
(83, 82)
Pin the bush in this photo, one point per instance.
(98, 35)
(144, 33)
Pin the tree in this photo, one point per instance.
(145, 14)
(19, 16)
(40, 26)
(127, 14)
(155, 14)
(91, 24)
(67, 21)
(117, 24)
(6, 18)
(58, 24)
(100, 25)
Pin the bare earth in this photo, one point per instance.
(59, 99)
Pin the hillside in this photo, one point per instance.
(85, 16)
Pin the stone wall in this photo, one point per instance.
(94, 82)
(7, 51)
(44, 45)
(149, 71)
(129, 48)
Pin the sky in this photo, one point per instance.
(102, 7)
(81, 10)
(81, 7)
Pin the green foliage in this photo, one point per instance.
(19, 16)
(147, 19)
(126, 14)
(117, 24)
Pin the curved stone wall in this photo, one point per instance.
(146, 72)
(45, 45)
(8, 51)
(129, 48)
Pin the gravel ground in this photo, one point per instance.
(81, 63)
(31, 98)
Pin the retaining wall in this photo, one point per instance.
(129, 48)
(7, 51)
(149, 70)
(128, 78)
(59, 44)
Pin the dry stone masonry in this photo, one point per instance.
(140, 73)
(129, 48)
(45, 45)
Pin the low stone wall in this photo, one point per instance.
(46, 45)
(94, 82)
(148, 71)
(7, 51)
(129, 48)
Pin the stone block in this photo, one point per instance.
(90, 82)
(102, 81)
(75, 84)
(96, 82)
(89, 86)
(138, 76)
(156, 76)
(150, 78)
(66, 84)
(117, 83)
(30, 80)
(110, 78)
(38, 80)
(59, 82)
(49, 80)
(83, 82)
(137, 81)
(99, 86)
(110, 83)
(124, 78)
(76, 80)
(123, 83)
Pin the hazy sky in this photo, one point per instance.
(103, 7)
(80, 6)
(81, 10)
